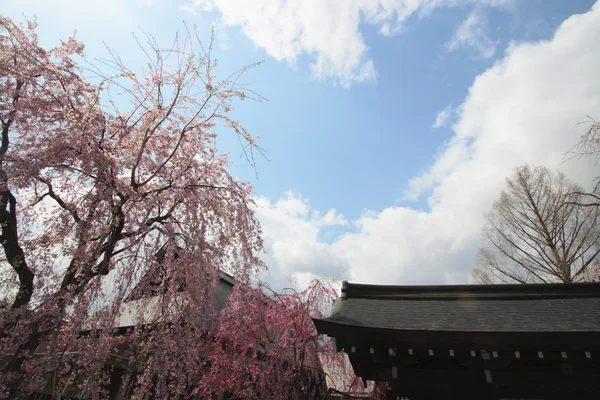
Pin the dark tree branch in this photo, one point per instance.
(59, 201)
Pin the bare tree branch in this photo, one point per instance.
(538, 231)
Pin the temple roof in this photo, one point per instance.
(571, 307)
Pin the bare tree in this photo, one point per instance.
(588, 147)
(537, 231)
(589, 142)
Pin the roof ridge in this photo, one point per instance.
(462, 292)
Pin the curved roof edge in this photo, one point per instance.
(510, 291)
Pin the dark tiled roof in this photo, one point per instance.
(501, 308)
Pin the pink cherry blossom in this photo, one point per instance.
(109, 175)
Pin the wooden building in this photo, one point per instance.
(539, 341)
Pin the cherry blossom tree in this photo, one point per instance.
(277, 351)
(268, 338)
(106, 174)
(94, 177)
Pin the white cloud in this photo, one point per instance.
(222, 36)
(524, 109)
(443, 117)
(326, 30)
(333, 218)
(451, 155)
(291, 233)
(471, 33)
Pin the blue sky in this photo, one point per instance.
(361, 181)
